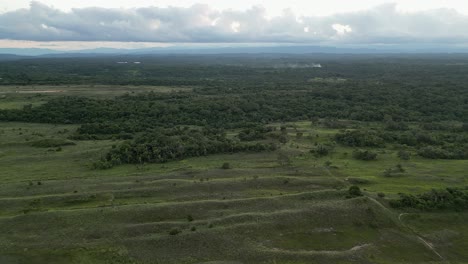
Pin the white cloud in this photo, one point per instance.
(342, 29)
(385, 24)
(274, 8)
(235, 26)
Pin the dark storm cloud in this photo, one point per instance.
(200, 23)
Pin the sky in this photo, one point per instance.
(72, 24)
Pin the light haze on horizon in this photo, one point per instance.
(135, 24)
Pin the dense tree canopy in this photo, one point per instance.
(246, 93)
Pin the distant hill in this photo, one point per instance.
(28, 52)
(8, 57)
(292, 49)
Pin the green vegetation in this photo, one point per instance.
(450, 198)
(195, 160)
(51, 142)
(165, 145)
(354, 191)
(364, 155)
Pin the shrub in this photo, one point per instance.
(52, 143)
(449, 198)
(394, 171)
(431, 152)
(226, 166)
(364, 155)
(322, 150)
(403, 155)
(174, 231)
(399, 168)
(396, 126)
(283, 138)
(358, 181)
(354, 191)
(102, 165)
(254, 133)
(357, 138)
(381, 195)
(189, 218)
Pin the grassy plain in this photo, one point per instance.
(54, 208)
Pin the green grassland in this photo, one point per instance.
(16, 97)
(281, 205)
(56, 209)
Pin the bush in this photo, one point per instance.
(357, 138)
(358, 181)
(381, 195)
(254, 133)
(102, 165)
(322, 150)
(226, 166)
(449, 198)
(283, 138)
(364, 155)
(454, 152)
(396, 126)
(174, 231)
(404, 155)
(52, 143)
(354, 191)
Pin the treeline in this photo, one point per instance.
(449, 198)
(428, 144)
(254, 133)
(230, 90)
(163, 145)
(138, 112)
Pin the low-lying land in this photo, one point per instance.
(337, 170)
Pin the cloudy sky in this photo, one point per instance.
(61, 24)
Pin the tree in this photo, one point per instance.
(226, 166)
(364, 155)
(403, 155)
(354, 191)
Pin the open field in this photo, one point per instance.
(259, 210)
(16, 97)
(232, 160)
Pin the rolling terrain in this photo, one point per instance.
(68, 193)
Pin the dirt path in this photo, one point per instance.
(400, 216)
(425, 242)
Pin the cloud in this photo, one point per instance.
(201, 24)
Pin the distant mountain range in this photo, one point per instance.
(13, 53)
